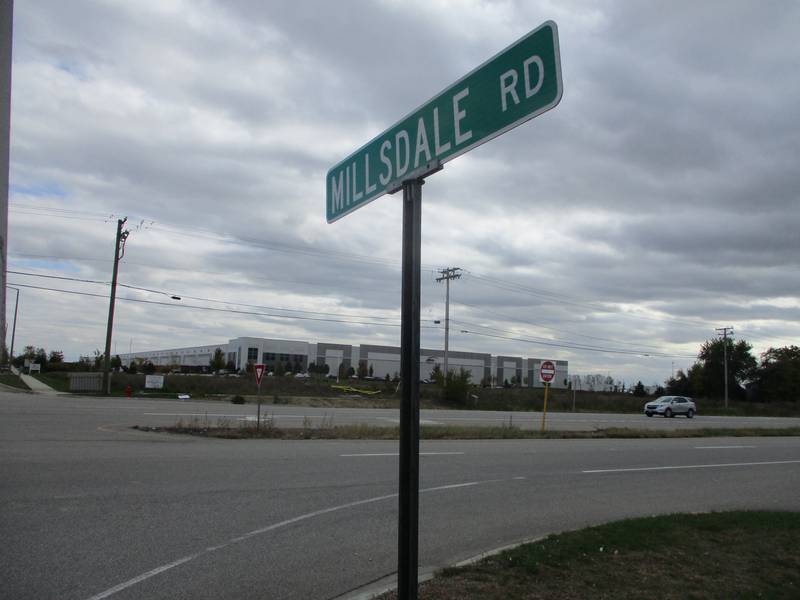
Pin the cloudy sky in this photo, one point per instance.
(657, 202)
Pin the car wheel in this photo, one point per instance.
(668, 413)
(690, 414)
(649, 414)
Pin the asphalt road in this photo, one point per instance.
(92, 509)
(123, 412)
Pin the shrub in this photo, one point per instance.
(237, 399)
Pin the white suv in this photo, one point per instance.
(669, 406)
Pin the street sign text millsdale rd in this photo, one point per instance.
(519, 83)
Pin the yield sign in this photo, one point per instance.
(259, 369)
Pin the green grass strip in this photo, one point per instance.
(746, 554)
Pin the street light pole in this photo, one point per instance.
(119, 252)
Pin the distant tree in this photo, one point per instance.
(41, 357)
(217, 362)
(116, 362)
(679, 385)
(230, 366)
(437, 376)
(371, 371)
(638, 390)
(457, 386)
(297, 367)
(148, 368)
(778, 377)
(711, 381)
(133, 368)
(98, 359)
(56, 356)
(351, 371)
(342, 372)
(314, 368)
(279, 369)
(362, 369)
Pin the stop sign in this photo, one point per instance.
(547, 371)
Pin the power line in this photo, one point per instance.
(559, 330)
(562, 343)
(568, 346)
(214, 309)
(201, 299)
(556, 298)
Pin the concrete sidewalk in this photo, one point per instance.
(37, 387)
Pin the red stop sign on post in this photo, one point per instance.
(547, 371)
(259, 369)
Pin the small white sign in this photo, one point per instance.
(34, 367)
(154, 382)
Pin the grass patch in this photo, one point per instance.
(54, 380)
(745, 554)
(12, 380)
(326, 430)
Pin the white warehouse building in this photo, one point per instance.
(383, 360)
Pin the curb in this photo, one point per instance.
(387, 584)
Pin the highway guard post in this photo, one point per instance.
(516, 85)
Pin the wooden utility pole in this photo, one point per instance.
(119, 252)
(447, 275)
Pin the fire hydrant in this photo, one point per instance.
(128, 391)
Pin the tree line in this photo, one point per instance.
(773, 378)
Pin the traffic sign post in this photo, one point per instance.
(516, 85)
(259, 371)
(547, 371)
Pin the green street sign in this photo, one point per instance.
(516, 85)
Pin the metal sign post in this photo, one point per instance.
(547, 371)
(259, 370)
(408, 521)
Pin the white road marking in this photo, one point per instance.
(153, 572)
(282, 416)
(190, 415)
(398, 454)
(744, 464)
(721, 447)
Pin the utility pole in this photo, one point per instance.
(447, 275)
(14, 328)
(724, 331)
(6, 33)
(119, 252)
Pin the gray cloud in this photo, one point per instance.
(657, 201)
